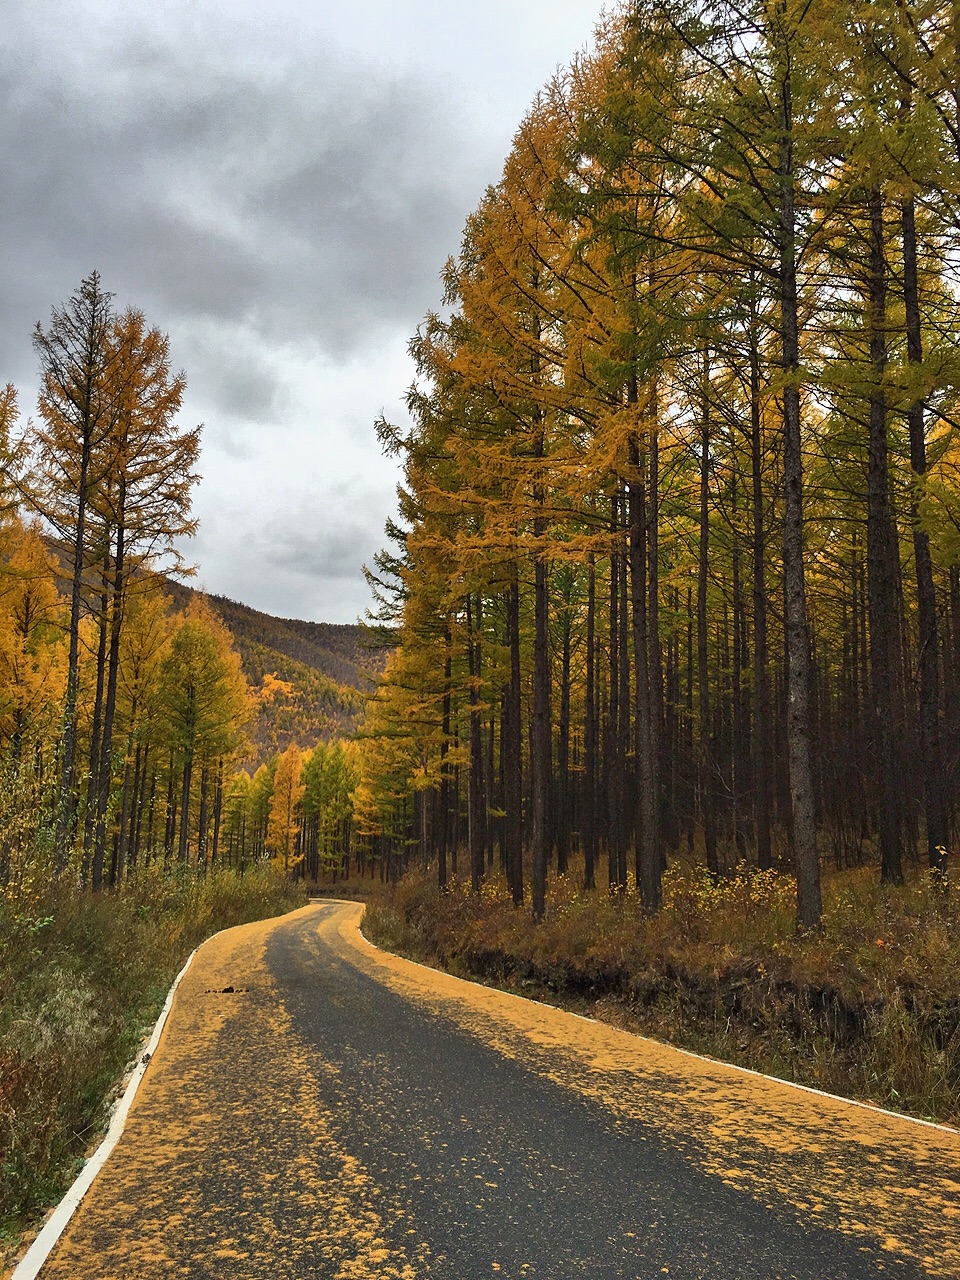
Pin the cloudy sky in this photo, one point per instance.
(277, 187)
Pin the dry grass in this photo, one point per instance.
(355, 889)
(869, 1007)
(82, 978)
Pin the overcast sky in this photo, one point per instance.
(277, 186)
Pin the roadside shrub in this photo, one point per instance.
(82, 978)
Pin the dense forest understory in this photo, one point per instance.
(866, 1007)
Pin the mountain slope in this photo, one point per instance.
(327, 666)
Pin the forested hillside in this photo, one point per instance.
(343, 652)
(321, 672)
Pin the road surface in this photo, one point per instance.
(318, 1108)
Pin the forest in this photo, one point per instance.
(660, 696)
(135, 724)
(676, 572)
(676, 575)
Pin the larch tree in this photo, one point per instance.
(283, 825)
(204, 706)
(142, 508)
(76, 408)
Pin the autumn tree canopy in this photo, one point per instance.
(676, 573)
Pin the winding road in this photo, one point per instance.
(319, 1108)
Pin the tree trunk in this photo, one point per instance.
(655, 666)
(129, 798)
(707, 762)
(443, 841)
(202, 824)
(590, 735)
(91, 864)
(806, 856)
(513, 759)
(647, 859)
(739, 750)
(881, 584)
(563, 805)
(693, 763)
(475, 783)
(217, 812)
(928, 638)
(185, 808)
(762, 735)
(613, 746)
(540, 738)
(105, 764)
(144, 800)
(626, 803)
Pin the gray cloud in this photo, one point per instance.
(281, 204)
(309, 571)
(330, 552)
(317, 202)
(232, 370)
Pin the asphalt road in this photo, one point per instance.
(344, 1114)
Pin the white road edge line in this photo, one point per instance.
(30, 1264)
(688, 1053)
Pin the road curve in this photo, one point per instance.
(318, 1108)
